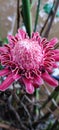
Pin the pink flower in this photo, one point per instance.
(30, 60)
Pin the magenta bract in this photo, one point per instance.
(30, 60)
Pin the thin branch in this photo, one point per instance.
(15, 113)
(18, 14)
(52, 100)
(50, 97)
(52, 18)
(37, 14)
(45, 23)
(49, 15)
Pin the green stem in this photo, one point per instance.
(36, 109)
(35, 26)
(37, 98)
(37, 15)
(33, 2)
(18, 14)
(27, 16)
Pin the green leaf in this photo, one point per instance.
(27, 16)
(33, 2)
(37, 15)
(5, 40)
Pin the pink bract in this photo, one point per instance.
(30, 60)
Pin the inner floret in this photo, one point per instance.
(27, 54)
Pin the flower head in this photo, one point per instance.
(30, 60)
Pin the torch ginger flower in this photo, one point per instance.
(30, 60)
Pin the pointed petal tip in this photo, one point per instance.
(6, 83)
(3, 89)
(4, 72)
(38, 81)
(49, 79)
(9, 37)
(29, 86)
(54, 41)
(30, 90)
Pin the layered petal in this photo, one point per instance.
(55, 65)
(51, 81)
(36, 36)
(11, 39)
(21, 34)
(4, 72)
(37, 81)
(8, 81)
(56, 55)
(53, 42)
(16, 77)
(29, 86)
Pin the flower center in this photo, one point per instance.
(28, 54)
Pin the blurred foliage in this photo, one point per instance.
(5, 40)
(16, 105)
(47, 8)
